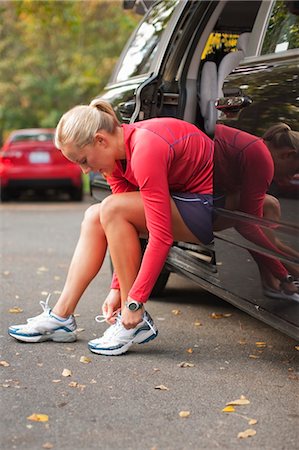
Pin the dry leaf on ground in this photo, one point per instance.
(240, 401)
(38, 417)
(296, 347)
(184, 414)
(219, 315)
(247, 433)
(4, 364)
(261, 344)
(229, 408)
(161, 387)
(252, 421)
(66, 373)
(185, 364)
(176, 312)
(73, 384)
(197, 323)
(47, 445)
(189, 350)
(15, 310)
(85, 360)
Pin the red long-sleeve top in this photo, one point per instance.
(163, 155)
(243, 163)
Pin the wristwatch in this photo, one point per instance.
(132, 305)
(288, 279)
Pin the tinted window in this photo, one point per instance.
(283, 30)
(144, 45)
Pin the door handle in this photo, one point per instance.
(126, 109)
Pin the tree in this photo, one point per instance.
(55, 54)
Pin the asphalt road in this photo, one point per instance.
(115, 402)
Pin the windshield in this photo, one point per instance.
(143, 48)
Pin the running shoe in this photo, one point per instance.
(45, 327)
(273, 293)
(117, 339)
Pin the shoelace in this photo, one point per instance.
(102, 318)
(44, 306)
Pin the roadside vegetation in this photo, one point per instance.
(56, 54)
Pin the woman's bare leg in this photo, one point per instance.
(86, 262)
(123, 220)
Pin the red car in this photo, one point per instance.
(30, 160)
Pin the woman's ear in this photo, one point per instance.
(100, 138)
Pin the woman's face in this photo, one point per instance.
(100, 156)
(286, 163)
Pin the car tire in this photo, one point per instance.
(76, 194)
(4, 195)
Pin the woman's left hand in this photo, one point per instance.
(130, 319)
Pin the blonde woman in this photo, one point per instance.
(161, 175)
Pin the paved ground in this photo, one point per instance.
(114, 403)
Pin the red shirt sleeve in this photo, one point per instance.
(150, 167)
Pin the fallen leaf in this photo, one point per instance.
(85, 360)
(252, 422)
(38, 417)
(197, 323)
(176, 312)
(73, 384)
(240, 401)
(47, 445)
(56, 381)
(44, 293)
(242, 342)
(253, 356)
(56, 278)
(261, 344)
(185, 364)
(219, 315)
(4, 364)
(42, 269)
(297, 347)
(229, 408)
(184, 414)
(15, 310)
(247, 433)
(161, 387)
(156, 369)
(189, 350)
(93, 381)
(79, 330)
(66, 373)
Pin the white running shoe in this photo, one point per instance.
(117, 339)
(45, 327)
(273, 293)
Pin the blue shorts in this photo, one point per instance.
(197, 213)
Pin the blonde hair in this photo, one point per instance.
(79, 125)
(281, 136)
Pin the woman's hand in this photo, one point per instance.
(130, 319)
(112, 305)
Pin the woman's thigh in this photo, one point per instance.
(130, 206)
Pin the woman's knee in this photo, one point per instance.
(109, 209)
(91, 216)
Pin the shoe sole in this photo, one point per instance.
(55, 337)
(146, 337)
(281, 295)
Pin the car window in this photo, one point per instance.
(283, 30)
(41, 137)
(144, 45)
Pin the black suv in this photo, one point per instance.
(234, 62)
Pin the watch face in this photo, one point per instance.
(132, 306)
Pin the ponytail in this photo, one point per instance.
(281, 136)
(79, 125)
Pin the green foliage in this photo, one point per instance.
(56, 54)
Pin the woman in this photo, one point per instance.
(244, 167)
(161, 175)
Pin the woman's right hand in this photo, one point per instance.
(112, 305)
